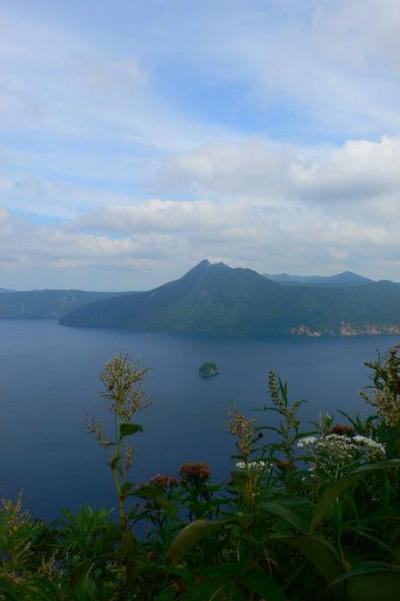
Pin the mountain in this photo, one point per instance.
(50, 304)
(209, 298)
(217, 299)
(347, 278)
(5, 290)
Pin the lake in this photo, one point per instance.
(49, 381)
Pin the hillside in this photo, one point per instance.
(216, 299)
(346, 278)
(209, 298)
(45, 304)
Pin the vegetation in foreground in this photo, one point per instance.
(306, 516)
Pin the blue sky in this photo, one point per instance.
(139, 137)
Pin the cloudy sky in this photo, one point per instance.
(138, 137)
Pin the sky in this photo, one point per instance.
(138, 137)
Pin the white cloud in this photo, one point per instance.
(171, 236)
(269, 206)
(357, 171)
(146, 179)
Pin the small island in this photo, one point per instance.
(208, 369)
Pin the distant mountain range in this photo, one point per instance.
(347, 278)
(45, 304)
(217, 299)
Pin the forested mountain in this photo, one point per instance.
(216, 299)
(52, 304)
(347, 278)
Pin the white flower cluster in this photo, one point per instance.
(371, 445)
(306, 441)
(339, 448)
(254, 466)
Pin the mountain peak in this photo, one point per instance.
(203, 263)
(204, 266)
(345, 278)
(199, 268)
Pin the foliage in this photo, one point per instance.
(305, 515)
(385, 397)
(45, 304)
(208, 369)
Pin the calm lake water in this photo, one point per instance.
(49, 382)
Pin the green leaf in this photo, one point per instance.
(189, 536)
(287, 515)
(321, 554)
(262, 583)
(328, 498)
(128, 543)
(372, 582)
(129, 429)
(152, 492)
(126, 488)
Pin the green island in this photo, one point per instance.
(207, 370)
(311, 515)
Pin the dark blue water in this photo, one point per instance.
(49, 382)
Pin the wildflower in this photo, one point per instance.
(164, 481)
(49, 567)
(371, 444)
(338, 447)
(339, 438)
(244, 430)
(254, 466)
(195, 472)
(123, 384)
(335, 453)
(278, 392)
(306, 441)
(342, 429)
(96, 428)
(128, 456)
(16, 517)
(385, 397)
